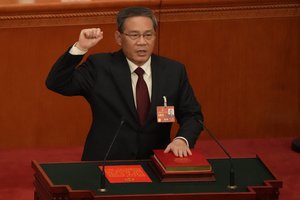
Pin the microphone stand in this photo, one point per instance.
(232, 185)
(102, 176)
(102, 180)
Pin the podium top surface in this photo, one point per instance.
(86, 176)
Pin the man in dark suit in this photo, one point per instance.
(116, 91)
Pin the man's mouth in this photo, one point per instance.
(141, 52)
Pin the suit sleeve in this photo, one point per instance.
(188, 112)
(69, 78)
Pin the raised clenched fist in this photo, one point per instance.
(89, 38)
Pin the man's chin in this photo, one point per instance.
(141, 60)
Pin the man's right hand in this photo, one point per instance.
(89, 38)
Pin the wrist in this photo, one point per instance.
(182, 139)
(79, 47)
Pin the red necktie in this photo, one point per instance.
(142, 96)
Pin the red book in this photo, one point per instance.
(195, 162)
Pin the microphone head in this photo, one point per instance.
(122, 122)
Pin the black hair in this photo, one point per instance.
(134, 12)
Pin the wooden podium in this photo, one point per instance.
(80, 180)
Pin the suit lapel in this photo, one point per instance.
(122, 77)
(157, 80)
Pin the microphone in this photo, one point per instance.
(232, 185)
(102, 177)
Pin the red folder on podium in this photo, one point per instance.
(170, 168)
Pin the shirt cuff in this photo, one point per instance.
(76, 51)
(182, 138)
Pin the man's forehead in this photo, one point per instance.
(138, 21)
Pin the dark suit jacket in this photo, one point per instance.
(105, 81)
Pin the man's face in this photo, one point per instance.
(137, 39)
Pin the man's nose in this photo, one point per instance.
(141, 40)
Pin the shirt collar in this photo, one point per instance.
(146, 67)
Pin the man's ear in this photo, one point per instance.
(118, 38)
